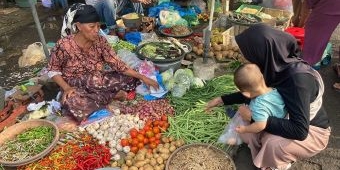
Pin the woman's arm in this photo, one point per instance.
(147, 81)
(297, 92)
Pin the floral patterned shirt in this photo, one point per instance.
(71, 61)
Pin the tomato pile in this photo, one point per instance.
(148, 137)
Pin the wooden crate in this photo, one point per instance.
(229, 36)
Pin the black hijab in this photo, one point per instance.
(275, 52)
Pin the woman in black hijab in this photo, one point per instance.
(306, 131)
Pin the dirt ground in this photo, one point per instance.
(17, 31)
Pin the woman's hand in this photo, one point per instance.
(245, 113)
(150, 82)
(68, 93)
(213, 103)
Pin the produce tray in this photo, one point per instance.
(194, 145)
(18, 128)
(233, 15)
(243, 7)
(142, 57)
(161, 30)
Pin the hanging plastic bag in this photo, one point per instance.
(200, 4)
(229, 135)
(33, 54)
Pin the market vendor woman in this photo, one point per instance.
(306, 132)
(77, 65)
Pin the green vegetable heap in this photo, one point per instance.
(27, 144)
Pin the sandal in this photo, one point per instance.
(336, 68)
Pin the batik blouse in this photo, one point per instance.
(71, 61)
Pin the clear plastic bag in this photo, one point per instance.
(229, 135)
(129, 58)
(147, 68)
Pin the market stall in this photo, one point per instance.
(152, 129)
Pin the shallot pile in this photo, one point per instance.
(148, 109)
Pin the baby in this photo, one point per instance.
(265, 101)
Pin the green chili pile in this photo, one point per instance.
(27, 144)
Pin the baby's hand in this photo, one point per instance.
(240, 129)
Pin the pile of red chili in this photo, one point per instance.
(83, 154)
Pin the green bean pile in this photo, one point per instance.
(192, 123)
(27, 144)
(213, 88)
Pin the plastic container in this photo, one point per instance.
(24, 3)
(298, 33)
(175, 65)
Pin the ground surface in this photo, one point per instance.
(17, 31)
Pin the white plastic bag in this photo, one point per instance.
(229, 135)
(33, 54)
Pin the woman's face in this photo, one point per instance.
(89, 30)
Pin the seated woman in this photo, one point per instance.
(77, 65)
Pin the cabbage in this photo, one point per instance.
(184, 80)
(178, 90)
(167, 75)
(169, 84)
(197, 82)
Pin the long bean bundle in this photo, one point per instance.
(196, 126)
(213, 88)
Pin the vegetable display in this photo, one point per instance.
(123, 45)
(177, 30)
(154, 159)
(27, 144)
(76, 152)
(200, 157)
(112, 130)
(220, 52)
(213, 88)
(242, 18)
(147, 109)
(160, 50)
(196, 126)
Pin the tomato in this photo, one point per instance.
(161, 123)
(149, 134)
(124, 142)
(142, 131)
(134, 149)
(157, 141)
(140, 138)
(156, 123)
(134, 142)
(140, 145)
(146, 128)
(164, 118)
(158, 136)
(166, 125)
(152, 139)
(148, 123)
(156, 130)
(153, 145)
(133, 133)
(146, 141)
